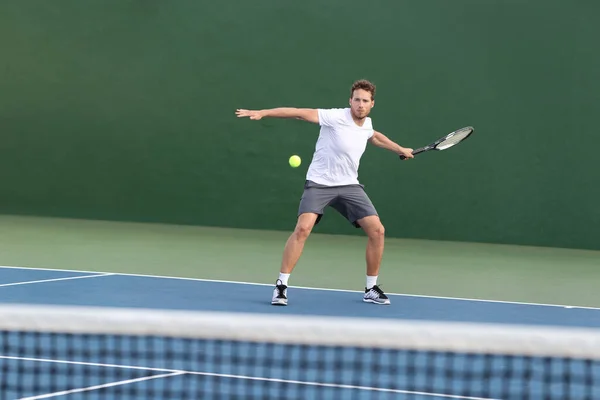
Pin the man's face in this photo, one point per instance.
(361, 103)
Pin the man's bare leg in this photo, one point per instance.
(291, 254)
(374, 254)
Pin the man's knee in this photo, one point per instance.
(373, 227)
(378, 231)
(304, 226)
(302, 231)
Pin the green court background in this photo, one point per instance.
(124, 110)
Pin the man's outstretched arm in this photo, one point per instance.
(380, 140)
(305, 114)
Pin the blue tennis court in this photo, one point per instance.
(224, 369)
(41, 286)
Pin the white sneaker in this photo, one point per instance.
(279, 294)
(375, 295)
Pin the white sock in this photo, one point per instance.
(371, 281)
(284, 278)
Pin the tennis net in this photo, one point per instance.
(108, 353)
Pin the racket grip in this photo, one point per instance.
(414, 153)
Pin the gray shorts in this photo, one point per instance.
(350, 200)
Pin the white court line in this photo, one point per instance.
(312, 288)
(56, 279)
(252, 378)
(106, 385)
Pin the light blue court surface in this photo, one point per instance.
(40, 286)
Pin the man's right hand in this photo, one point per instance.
(252, 114)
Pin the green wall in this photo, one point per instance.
(123, 109)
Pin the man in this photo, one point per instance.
(332, 180)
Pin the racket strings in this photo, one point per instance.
(453, 139)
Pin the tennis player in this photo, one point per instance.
(332, 180)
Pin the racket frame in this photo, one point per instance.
(433, 146)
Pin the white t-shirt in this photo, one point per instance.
(340, 146)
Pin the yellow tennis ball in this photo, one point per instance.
(295, 161)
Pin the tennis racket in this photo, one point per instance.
(445, 142)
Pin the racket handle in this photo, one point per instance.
(414, 153)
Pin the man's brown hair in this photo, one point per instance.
(364, 85)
